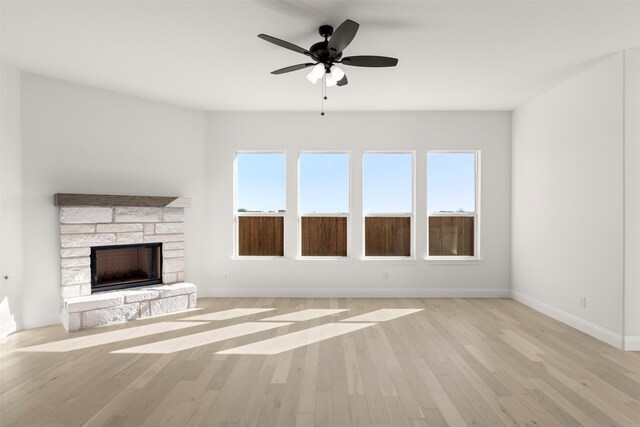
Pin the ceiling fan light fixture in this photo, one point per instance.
(318, 71)
(327, 53)
(331, 80)
(337, 73)
(312, 77)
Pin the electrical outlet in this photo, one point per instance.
(385, 275)
(226, 275)
(583, 301)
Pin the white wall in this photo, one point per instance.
(488, 132)
(11, 297)
(78, 139)
(632, 199)
(567, 201)
(575, 201)
(75, 138)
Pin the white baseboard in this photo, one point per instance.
(353, 293)
(580, 324)
(631, 343)
(36, 322)
(8, 327)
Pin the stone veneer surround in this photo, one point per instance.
(82, 227)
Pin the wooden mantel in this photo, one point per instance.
(71, 199)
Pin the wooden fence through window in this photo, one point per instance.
(260, 236)
(451, 235)
(387, 236)
(324, 236)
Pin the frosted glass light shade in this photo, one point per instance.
(318, 71)
(312, 78)
(331, 80)
(337, 73)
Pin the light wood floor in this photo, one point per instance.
(457, 362)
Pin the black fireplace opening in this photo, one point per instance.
(125, 266)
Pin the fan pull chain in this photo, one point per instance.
(324, 92)
(322, 95)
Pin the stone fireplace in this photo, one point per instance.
(121, 258)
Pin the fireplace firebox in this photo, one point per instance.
(125, 266)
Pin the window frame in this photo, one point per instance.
(476, 214)
(300, 214)
(365, 214)
(237, 215)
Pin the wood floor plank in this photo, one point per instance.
(257, 397)
(305, 420)
(359, 411)
(568, 406)
(446, 362)
(449, 411)
(616, 410)
(352, 368)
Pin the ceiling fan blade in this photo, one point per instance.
(369, 61)
(293, 68)
(284, 44)
(343, 81)
(342, 36)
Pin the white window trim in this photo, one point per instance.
(412, 244)
(476, 258)
(300, 214)
(237, 215)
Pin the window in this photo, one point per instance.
(387, 204)
(323, 204)
(260, 204)
(452, 203)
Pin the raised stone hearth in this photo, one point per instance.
(106, 308)
(89, 220)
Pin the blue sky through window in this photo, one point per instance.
(261, 185)
(451, 185)
(324, 183)
(387, 183)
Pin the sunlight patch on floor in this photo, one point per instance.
(297, 339)
(228, 314)
(270, 346)
(108, 337)
(201, 338)
(383, 315)
(301, 316)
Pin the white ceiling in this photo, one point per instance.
(453, 55)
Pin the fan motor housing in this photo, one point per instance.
(320, 49)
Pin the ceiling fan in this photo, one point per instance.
(327, 53)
